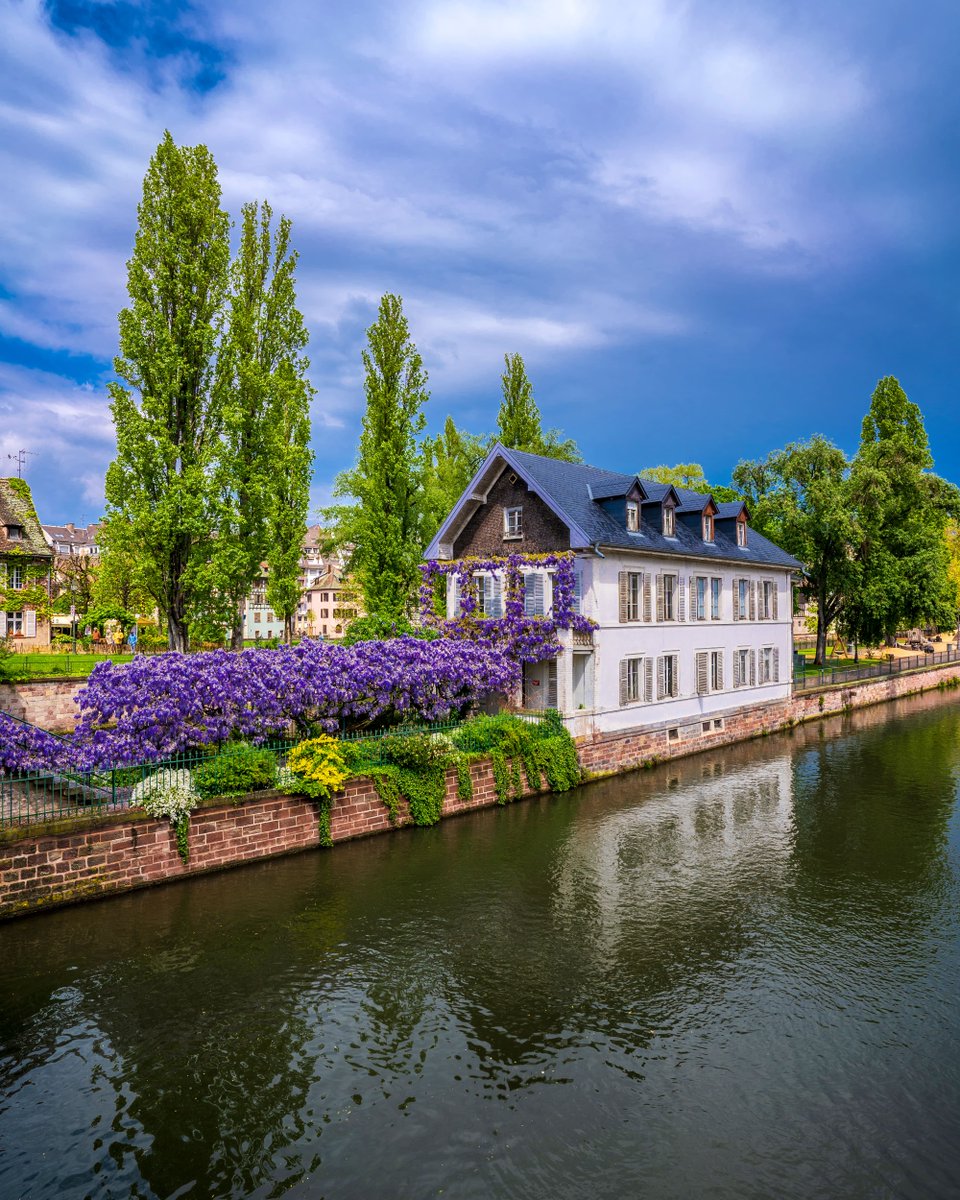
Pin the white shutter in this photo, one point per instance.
(776, 664)
(623, 681)
(647, 597)
(681, 598)
(703, 682)
(622, 585)
(648, 680)
(753, 668)
(533, 594)
(455, 582)
(30, 623)
(659, 597)
(3, 624)
(495, 596)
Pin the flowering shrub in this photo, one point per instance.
(169, 793)
(522, 637)
(26, 748)
(316, 769)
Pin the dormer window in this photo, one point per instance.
(15, 533)
(669, 521)
(741, 532)
(707, 527)
(513, 522)
(633, 516)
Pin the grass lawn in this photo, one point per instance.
(46, 666)
(838, 663)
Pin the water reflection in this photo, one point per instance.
(735, 976)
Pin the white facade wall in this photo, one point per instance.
(615, 640)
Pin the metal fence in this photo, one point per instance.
(56, 795)
(812, 680)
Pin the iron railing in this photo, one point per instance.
(54, 795)
(811, 680)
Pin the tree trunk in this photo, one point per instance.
(236, 633)
(178, 634)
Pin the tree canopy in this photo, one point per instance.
(519, 424)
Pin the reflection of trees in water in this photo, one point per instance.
(872, 809)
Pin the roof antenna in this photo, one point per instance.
(20, 459)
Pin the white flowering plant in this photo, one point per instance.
(169, 793)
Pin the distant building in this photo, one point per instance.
(73, 539)
(327, 603)
(25, 566)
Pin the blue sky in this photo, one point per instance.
(709, 229)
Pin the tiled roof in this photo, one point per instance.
(569, 487)
(16, 508)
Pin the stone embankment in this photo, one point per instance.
(90, 857)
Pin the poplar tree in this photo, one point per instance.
(519, 424)
(165, 407)
(451, 460)
(384, 525)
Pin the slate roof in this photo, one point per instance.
(569, 488)
(17, 509)
(72, 535)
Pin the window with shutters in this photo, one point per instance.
(490, 595)
(716, 586)
(768, 600)
(633, 516)
(631, 680)
(533, 590)
(669, 521)
(668, 676)
(700, 598)
(741, 599)
(744, 668)
(769, 665)
(513, 522)
(669, 597)
(709, 665)
(634, 596)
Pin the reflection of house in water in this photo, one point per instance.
(700, 840)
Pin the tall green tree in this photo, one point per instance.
(165, 408)
(450, 461)
(688, 475)
(799, 497)
(519, 424)
(902, 510)
(384, 524)
(263, 476)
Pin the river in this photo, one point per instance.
(734, 976)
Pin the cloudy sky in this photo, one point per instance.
(708, 228)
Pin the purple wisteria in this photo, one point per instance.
(521, 636)
(158, 706)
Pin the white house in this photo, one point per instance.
(692, 607)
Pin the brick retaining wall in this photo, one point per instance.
(115, 853)
(118, 852)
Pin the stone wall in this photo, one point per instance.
(44, 702)
(118, 852)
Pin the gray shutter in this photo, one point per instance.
(752, 593)
(3, 624)
(720, 672)
(693, 598)
(622, 583)
(577, 598)
(681, 598)
(703, 682)
(30, 623)
(647, 597)
(659, 597)
(552, 683)
(736, 669)
(753, 668)
(776, 664)
(776, 589)
(496, 596)
(623, 681)
(533, 594)
(661, 678)
(736, 599)
(648, 680)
